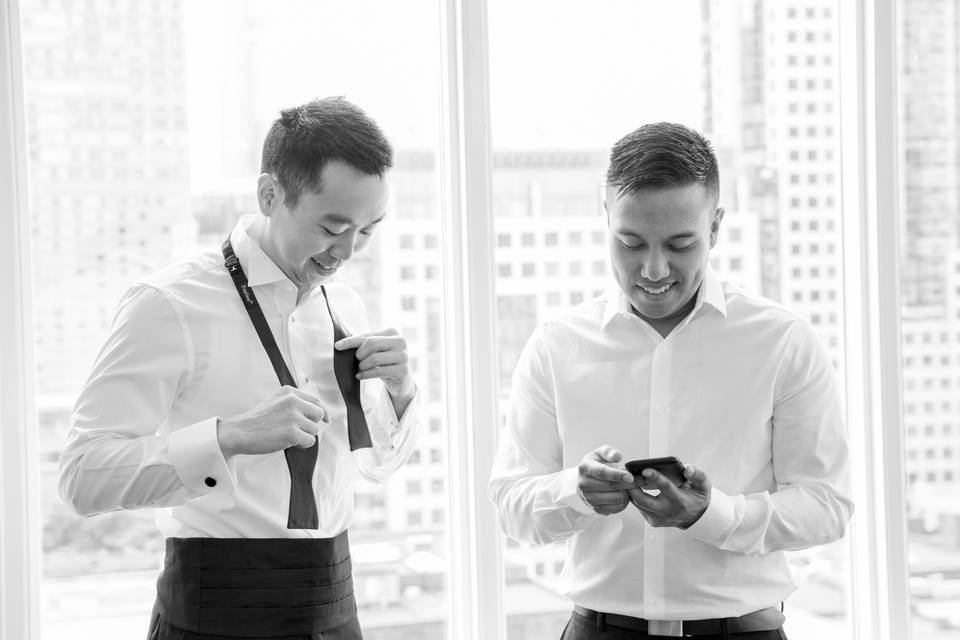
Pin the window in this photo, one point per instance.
(927, 278)
(626, 107)
(185, 182)
(925, 80)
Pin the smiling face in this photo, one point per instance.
(660, 241)
(312, 239)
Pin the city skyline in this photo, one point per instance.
(124, 180)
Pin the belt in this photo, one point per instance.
(257, 587)
(763, 620)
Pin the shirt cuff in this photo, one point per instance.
(714, 525)
(383, 430)
(570, 495)
(196, 457)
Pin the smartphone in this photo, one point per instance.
(668, 466)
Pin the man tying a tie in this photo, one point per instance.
(241, 391)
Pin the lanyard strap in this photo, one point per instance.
(302, 513)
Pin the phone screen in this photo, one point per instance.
(668, 466)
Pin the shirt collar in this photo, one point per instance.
(710, 293)
(258, 266)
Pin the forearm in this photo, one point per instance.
(540, 509)
(101, 471)
(795, 517)
(394, 433)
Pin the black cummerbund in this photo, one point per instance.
(257, 587)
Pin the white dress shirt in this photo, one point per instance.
(741, 389)
(181, 353)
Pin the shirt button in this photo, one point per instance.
(210, 482)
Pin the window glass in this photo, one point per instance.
(929, 86)
(756, 78)
(145, 122)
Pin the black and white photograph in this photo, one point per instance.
(480, 319)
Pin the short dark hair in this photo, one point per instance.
(304, 139)
(662, 155)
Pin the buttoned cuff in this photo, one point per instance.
(570, 495)
(383, 430)
(715, 524)
(196, 457)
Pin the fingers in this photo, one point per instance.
(642, 500)
(395, 372)
(696, 479)
(607, 502)
(367, 343)
(304, 441)
(606, 498)
(302, 394)
(596, 465)
(382, 358)
(606, 453)
(653, 479)
(311, 411)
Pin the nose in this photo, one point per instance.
(343, 248)
(654, 266)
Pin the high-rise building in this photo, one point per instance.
(930, 136)
(106, 123)
(771, 83)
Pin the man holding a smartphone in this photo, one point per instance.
(727, 401)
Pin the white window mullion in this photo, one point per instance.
(871, 157)
(469, 356)
(20, 531)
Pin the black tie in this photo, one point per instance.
(345, 367)
(302, 513)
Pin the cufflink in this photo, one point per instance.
(210, 482)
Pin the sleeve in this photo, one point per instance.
(394, 439)
(116, 456)
(812, 504)
(537, 498)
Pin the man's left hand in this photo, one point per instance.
(675, 506)
(383, 354)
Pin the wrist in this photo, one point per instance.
(405, 392)
(224, 437)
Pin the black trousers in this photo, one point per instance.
(581, 628)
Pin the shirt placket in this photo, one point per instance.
(291, 336)
(654, 560)
(297, 348)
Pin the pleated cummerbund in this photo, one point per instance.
(257, 587)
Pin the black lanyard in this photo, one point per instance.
(301, 462)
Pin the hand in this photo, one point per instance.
(383, 354)
(289, 418)
(603, 485)
(675, 506)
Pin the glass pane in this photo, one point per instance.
(145, 122)
(929, 85)
(760, 80)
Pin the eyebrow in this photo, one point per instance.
(679, 236)
(339, 219)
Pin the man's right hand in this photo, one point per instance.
(291, 417)
(603, 485)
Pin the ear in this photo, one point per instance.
(268, 193)
(715, 226)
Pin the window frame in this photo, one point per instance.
(476, 576)
(879, 595)
(879, 598)
(20, 523)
